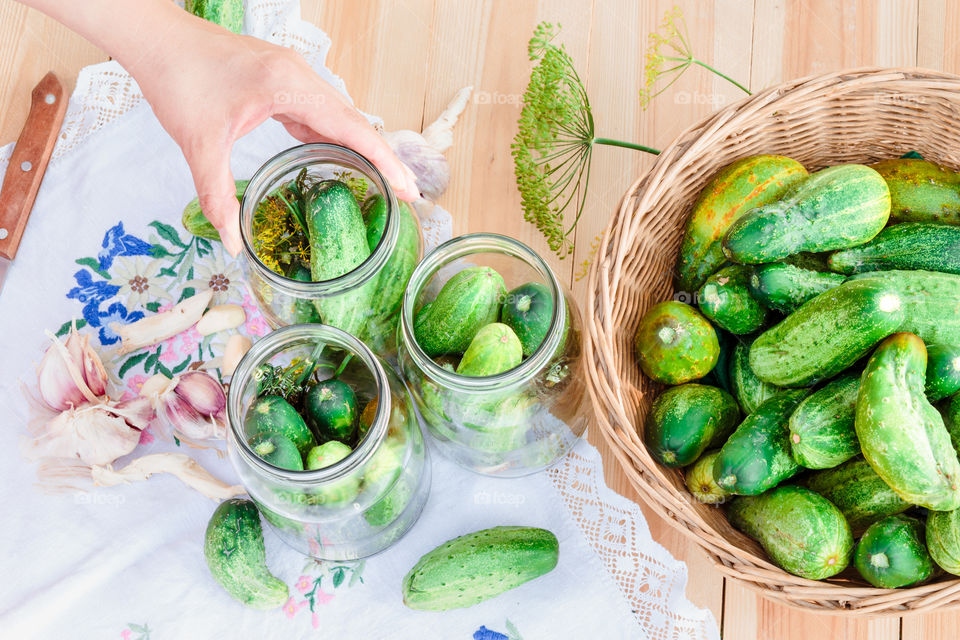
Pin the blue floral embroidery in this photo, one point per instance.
(486, 634)
(91, 293)
(118, 243)
(116, 312)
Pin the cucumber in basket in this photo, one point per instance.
(892, 553)
(675, 344)
(822, 434)
(726, 300)
(861, 495)
(910, 245)
(687, 419)
(921, 191)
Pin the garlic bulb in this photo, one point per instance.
(158, 327)
(178, 464)
(94, 433)
(71, 373)
(193, 404)
(423, 153)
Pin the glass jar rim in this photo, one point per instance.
(270, 345)
(459, 247)
(299, 157)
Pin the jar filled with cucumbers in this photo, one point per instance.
(489, 345)
(326, 241)
(326, 441)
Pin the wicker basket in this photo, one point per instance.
(860, 116)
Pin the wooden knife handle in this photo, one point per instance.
(29, 161)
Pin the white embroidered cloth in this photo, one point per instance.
(127, 561)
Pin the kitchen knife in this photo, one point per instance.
(28, 164)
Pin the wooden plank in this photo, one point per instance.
(33, 44)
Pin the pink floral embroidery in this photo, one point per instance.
(315, 619)
(321, 597)
(304, 584)
(125, 634)
(292, 607)
(134, 384)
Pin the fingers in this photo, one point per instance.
(340, 123)
(218, 193)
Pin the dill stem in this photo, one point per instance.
(722, 75)
(626, 145)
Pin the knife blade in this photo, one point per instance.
(28, 163)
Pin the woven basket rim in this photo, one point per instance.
(650, 480)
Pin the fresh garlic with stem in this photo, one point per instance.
(182, 466)
(71, 373)
(158, 327)
(423, 152)
(221, 318)
(193, 403)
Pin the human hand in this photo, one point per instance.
(208, 87)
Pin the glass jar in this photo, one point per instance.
(355, 507)
(376, 285)
(516, 422)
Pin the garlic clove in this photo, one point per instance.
(94, 372)
(138, 412)
(221, 318)
(158, 327)
(156, 385)
(237, 347)
(91, 433)
(203, 392)
(182, 466)
(186, 420)
(64, 370)
(55, 384)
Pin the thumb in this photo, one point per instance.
(217, 193)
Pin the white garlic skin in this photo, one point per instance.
(71, 373)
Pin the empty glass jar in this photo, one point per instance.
(363, 503)
(364, 301)
(515, 422)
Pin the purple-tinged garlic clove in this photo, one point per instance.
(70, 373)
(203, 392)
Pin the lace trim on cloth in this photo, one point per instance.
(651, 580)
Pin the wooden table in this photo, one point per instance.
(404, 59)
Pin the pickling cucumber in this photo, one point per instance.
(834, 208)
(943, 539)
(921, 191)
(943, 371)
(675, 344)
(226, 13)
(478, 566)
(803, 532)
(686, 420)
(235, 554)
(469, 300)
(273, 414)
(330, 410)
(737, 188)
(822, 433)
(304, 311)
(902, 436)
(757, 456)
(910, 245)
(892, 553)
(528, 310)
(196, 222)
(860, 494)
(700, 482)
(335, 492)
(784, 287)
(749, 390)
(495, 349)
(278, 450)
(725, 299)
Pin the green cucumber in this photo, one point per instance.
(304, 311)
(734, 190)
(803, 532)
(719, 376)
(237, 559)
(499, 424)
(468, 301)
(686, 420)
(338, 245)
(385, 470)
(749, 390)
(700, 482)
(784, 287)
(757, 456)
(822, 434)
(495, 349)
(861, 495)
(528, 310)
(336, 492)
(943, 371)
(330, 410)
(278, 450)
(834, 208)
(194, 220)
(273, 414)
(381, 328)
(725, 299)
(828, 333)
(930, 300)
(226, 13)
(943, 539)
(921, 191)
(374, 213)
(910, 245)
(892, 554)
(478, 566)
(675, 344)
(902, 436)
(950, 411)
